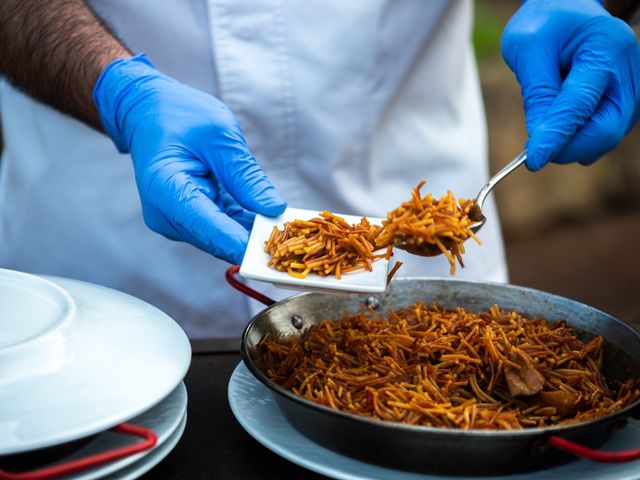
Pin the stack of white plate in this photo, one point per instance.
(77, 359)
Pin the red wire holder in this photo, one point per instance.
(596, 455)
(91, 461)
(230, 275)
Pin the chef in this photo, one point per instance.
(141, 138)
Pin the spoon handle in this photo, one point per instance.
(510, 167)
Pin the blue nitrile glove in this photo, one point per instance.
(196, 178)
(579, 69)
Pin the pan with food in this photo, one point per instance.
(432, 376)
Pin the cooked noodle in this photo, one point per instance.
(442, 223)
(429, 366)
(326, 245)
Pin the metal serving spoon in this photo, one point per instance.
(475, 213)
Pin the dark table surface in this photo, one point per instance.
(214, 445)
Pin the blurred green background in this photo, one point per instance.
(569, 229)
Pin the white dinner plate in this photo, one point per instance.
(77, 359)
(254, 264)
(256, 409)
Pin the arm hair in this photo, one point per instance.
(55, 50)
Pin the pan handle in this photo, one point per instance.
(596, 455)
(231, 276)
(73, 466)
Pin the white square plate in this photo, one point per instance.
(254, 264)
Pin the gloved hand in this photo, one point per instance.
(579, 70)
(196, 178)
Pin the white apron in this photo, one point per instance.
(345, 104)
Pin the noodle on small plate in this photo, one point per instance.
(255, 263)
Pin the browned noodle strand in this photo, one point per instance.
(425, 365)
(325, 245)
(423, 219)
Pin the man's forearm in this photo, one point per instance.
(55, 51)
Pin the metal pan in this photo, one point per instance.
(438, 450)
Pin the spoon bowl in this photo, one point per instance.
(428, 249)
(424, 248)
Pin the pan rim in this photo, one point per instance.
(420, 429)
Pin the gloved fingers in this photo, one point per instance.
(537, 101)
(156, 221)
(212, 230)
(184, 202)
(244, 180)
(234, 258)
(211, 187)
(628, 84)
(601, 134)
(577, 101)
(540, 82)
(229, 206)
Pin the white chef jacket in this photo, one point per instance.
(346, 104)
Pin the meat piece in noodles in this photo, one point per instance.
(565, 403)
(526, 380)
